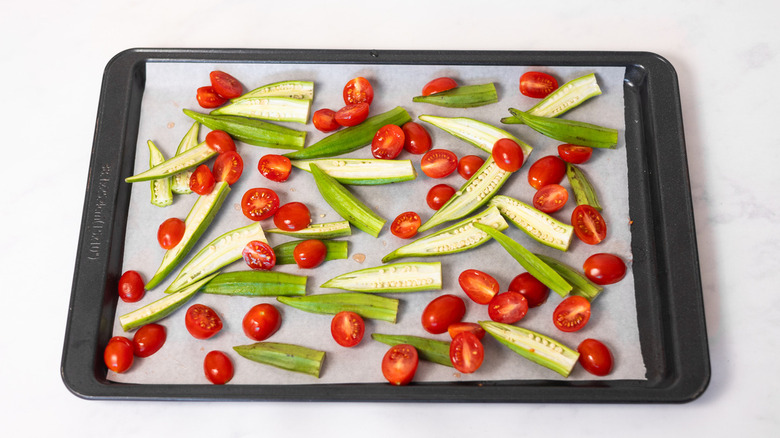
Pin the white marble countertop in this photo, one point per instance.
(725, 55)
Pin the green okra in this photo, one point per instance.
(580, 284)
(257, 284)
(480, 134)
(288, 357)
(278, 109)
(252, 131)
(180, 183)
(466, 96)
(538, 225)
(398, 277)
(567, 97)
(534, 346)
(362, 171)
(570, 131)
(292, 89)
(583, 190)
(178, 163)
(162, 194)
(327, 230)
(337, 250)
(366, 305)
(432, 350)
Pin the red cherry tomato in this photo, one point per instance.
(572, 314)
(438, 163)
(400, 364)
(131, 287)
(148, 340)
(469, 164)
(325, 120)
(202, 180)
(275, 167)
(202, 321)
(358, 90)
(406, 225)
(441, 312)
(261, 321)
(218, 367)
(508, 307)
(310, 253)
(603, 268)
(466, 352)
(388, 142)
(220, 141)
(588, 224)
(574, 154)
(416, 138)
(292, 216)
(208, 98)
(478, 286)
(537, 84)
(551, 198)
(508, 155)
(472, 327)
(259, 255)
(438, 85)
(347, 328)
(595, 357)
(534, 291)
(118, 355)
(546, 170)
(225, 85)
(228, 167)
(438, 195)
(353, 114)
(259, 203)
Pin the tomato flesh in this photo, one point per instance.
(202, 181)
(537, 84)
(588, 224)
(292, 216)
(603, 268)
(405, 225)
(438, 163)
(259, 203)
(572, 314)
(472, 327)
(208, 98)
(131, 287)
(466, 352)
(220, 141)
(225, 84)
(310, 253)
(478, 286)
(118, 355)
(534, 291)
(595, 357)
(388, 142)
(546, 170)
(358, 90)
(202, 321)
(148, 340)
(550, 198)
(441, 312)
(574, 154)
(259, 255)
(438, 195)
(325, 120)
(228, 167)
(469, 164)
(416, 138)
(438, 85)
(508, 307)
(218, 367)
(347, 328)
(261, 321)
(399, 364)
(275, 167)
(508, 155)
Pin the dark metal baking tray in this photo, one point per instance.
(665, 264)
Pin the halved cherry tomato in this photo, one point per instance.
(275, 167)
(292, 216)
(118, 355)
(400, 364)
(603, 268)
(466, 352)
(202, 180)
(508, 307)
(358, 90)
(469, 164)
(209, 98)
(438, 163)
(546, 170)
(259, 255)
(551, 198)
(537, 84)
(588, 224)
(228, 167)
(202, 321)
(438, 195)
(131, 287)
(388, 142)
(353, 114)
(325, 120)
(572, 314)
(259, 203)
(595, 357)
(534, 291)
(472, 327)
(347, 328)
(478, 286)
(508, 154)
(261, 321)
(406, 225)
(574, 154)
(218, 367)
(441, 312)
(225, 85)
(416, 138)
(148, 340)
(310, 253)
(220, 141)
(438, 85)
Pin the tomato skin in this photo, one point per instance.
(358, 90)
(218, 367)
(118, 355)
(438, 163)
(209, 98)
(388, 142)
(259, 203)
(202, 321)
(588, 224)
(353, 114)
(347, 328)
(131, 287)
(399, 364)
(225, 84)
(220, 141)
(275, 167)
(546, 170)
(572, 314)
(438, 195)
(508, 155)
(469, 165)
(595, 357)
(466, 352)
(405, 225)
(148, 340)
(310, 253)
(438, 85)
(261, 321)
(472, 327)
(202, 180)
(228, 167)
(478, 286)
(574, 154)
(508, 307)
(441, 312)
(551, 198)
(537, 85)
(417, 140)
(325, 120)
(259, 255)
(534, 291)
(292, 216)
(603, 268)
